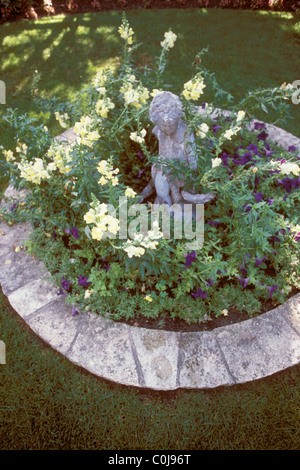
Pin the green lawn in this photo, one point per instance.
(49, 403)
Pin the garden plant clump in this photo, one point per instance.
(250, 254)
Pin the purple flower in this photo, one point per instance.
(258, 126)
(13, 206)
(82, 281)
(271, 289)
(274, 239)
(213, 222)
(200, 293)
(262, 135)
(253, 148)
(210, 282)
(289, 183)
(73, 231)
(216, 128)
(140, 173)
(247, 208)
(297, 237)
(258, 261)
(74, 311)
(270, 201)
(61, 292)
(190, 258)
(65, 284)
(292, 148)
(243, 282)
(258, 196)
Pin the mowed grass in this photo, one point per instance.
(48, 402)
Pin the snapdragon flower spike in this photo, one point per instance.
(82, 281)
(190, 258)
(73, 231)
(200, 293)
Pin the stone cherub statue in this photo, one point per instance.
(174, 143)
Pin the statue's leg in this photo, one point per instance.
(147, 191)
(162, 189)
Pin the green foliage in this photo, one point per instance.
(251, 227)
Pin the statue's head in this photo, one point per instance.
(166, 111)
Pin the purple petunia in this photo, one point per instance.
(258, 196)
(289, 184)
(253, 148)
(243, 282)
(271, 289)
(13, 206)
(258, 126)
(74, 311)
(262, 135)
(190, 258)
(65, 284)
(258, 261)
(82, 281)
(73, 231)
(200, 293)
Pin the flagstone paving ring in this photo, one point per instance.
(141, 357)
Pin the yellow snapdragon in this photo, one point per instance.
(194, 88)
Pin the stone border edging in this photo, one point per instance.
(144, 358)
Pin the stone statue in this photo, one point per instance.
(174, 143)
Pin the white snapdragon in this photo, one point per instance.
(231, 132)
(216, 162)
(169, 40)
(202, 130)
(138, 137)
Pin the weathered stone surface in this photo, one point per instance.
(290, 311)
(15, 235)
(32, 297)
(201, 363)
(157, 355)
(12, 195)
(55, 324)
(103, 348)
(259, 347)
(68, 135)
(17, 269)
